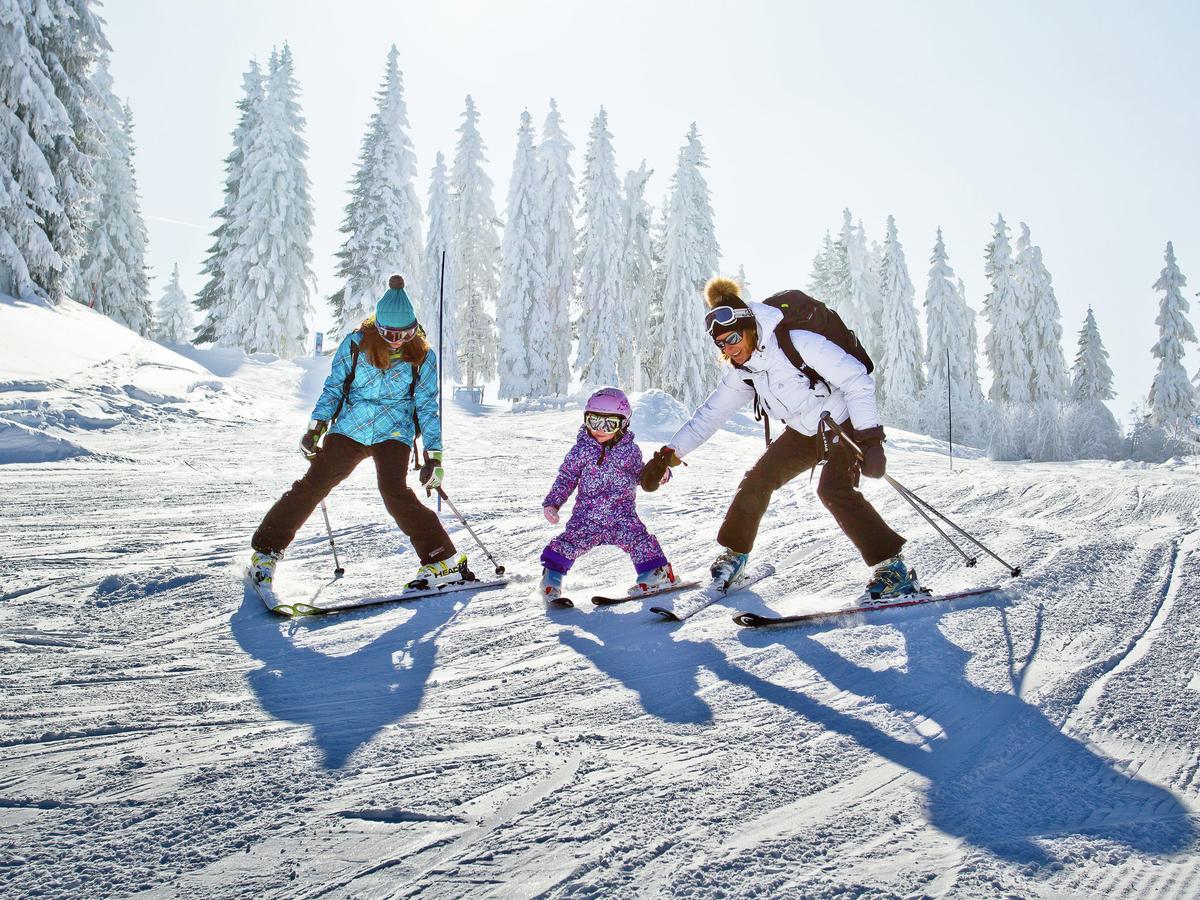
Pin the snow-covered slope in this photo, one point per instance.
(162, 732)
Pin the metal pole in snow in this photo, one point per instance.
(441, 362)
(949, 410)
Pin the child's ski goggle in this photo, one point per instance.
(397, 335)
(603, 424)
(723, 317)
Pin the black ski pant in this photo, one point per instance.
(792, 454)
(332, 465)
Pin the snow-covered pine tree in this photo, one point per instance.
(558, 181)
(67, 37)
(652, 356)
(1005, 347)
(521, 306)
(1093, 430)
(1172, 397)
(173, 321)
(383, 218)
(898, 352)
(637, 266)
(819, 279)
(946, 393)
(839, 279)
(689, 369)
(268, 268)
(112, 273)
(974, 387)
(1043, 340)
(47, 140)
(441, 282)
(866, 307)
(604, 327)
(215, 300)
(476, 244)
(743, 284)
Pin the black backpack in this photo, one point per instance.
(805, 313)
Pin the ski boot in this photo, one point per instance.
(728, 567)
(262, 568)
(552, 582)
(891, 581)
(440, 574)
(654, 580)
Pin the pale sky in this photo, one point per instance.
(1079, 118)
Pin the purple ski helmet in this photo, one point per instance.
(609, 401)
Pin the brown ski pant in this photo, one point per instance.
(792, 454)
(337, 459)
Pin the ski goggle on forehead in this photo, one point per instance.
(397, 335)
(723, 318)
(602, 423)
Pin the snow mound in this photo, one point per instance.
(657, 415)
(116, 589)
(20, 444)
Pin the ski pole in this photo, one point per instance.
(338, 571)
(913, 499)
(467, 525)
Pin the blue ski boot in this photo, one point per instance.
(891, 581)
(728, 567)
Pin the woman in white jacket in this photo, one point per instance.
(745, 334)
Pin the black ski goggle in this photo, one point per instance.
(397, 335)
(603, 424)
(732, 341)
(724, 317)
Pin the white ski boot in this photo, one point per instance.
(728, 567)
(262, 569)
(654, 580)
(448, 571)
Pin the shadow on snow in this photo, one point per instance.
(345, 699)
(1001, 774)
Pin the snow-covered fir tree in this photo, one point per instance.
(383, 219)
(689, 368)
(1048, 378)
(268, 268)
(112, 274)
(604, 328)
(476, 245)
(898, 352)
(951, 394)
(819, 279)
(439, 267)
(865, 287)
(637, 266)
(173, 319)
(215, 299)
(839, 277)
(1094, 433)
(743, 283)
(558, 182)
(652, 353)
(521, 309)
(47, 141)
(1172, 397)
(1006, 350)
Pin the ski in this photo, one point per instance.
(754, 620)
(269, 598)
(612, 601)
(560, 603)
(307, 609)
(691, 604)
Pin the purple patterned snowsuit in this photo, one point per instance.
(605, 511)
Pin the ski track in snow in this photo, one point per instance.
(163, 733)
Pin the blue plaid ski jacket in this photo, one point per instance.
(378, 407)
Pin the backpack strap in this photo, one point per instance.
(760, 414)
(412, 395)
(783, 336)
(355, 349)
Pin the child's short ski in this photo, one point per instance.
(611, 601)
(308, 609)
(559, 603)
(692, 603)
(754, 620)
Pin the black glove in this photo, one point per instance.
(870, 441)
(656, 471)
(310, 444)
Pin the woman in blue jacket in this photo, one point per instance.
(382, 384)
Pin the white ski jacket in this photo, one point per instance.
(783, 389)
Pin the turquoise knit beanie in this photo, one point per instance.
(394, 309)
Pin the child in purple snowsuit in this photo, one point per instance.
(604, 465)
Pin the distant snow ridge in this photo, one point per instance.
(21, 444)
